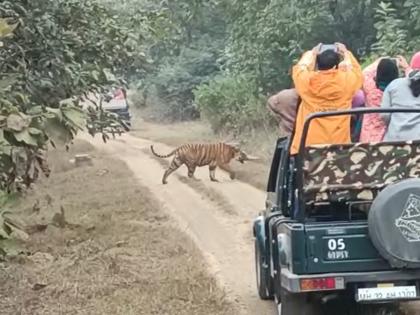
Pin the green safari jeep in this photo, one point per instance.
(341, 230)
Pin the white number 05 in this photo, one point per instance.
(336, 244)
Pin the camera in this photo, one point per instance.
(325, 47)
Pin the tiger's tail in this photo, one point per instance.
(162, 156)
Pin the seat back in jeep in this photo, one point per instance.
(356, 172)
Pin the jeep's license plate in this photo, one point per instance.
(386, 293)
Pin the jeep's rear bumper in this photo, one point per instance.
(291, 282)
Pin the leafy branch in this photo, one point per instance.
(52, 52)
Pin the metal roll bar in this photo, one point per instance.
(300, 215)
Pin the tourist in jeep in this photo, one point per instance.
(403, 93)
(326, 79)
(377, 76)
(283, 106)
(358, 101)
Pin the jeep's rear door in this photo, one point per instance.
(341, 247)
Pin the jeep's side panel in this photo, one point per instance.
(339, 247)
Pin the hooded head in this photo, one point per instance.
(415, 61)
(415, 82)
(386, 72)
(328, 59)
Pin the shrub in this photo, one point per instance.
(178, 77)
(232, 103)
(52, 52)
(391, 34)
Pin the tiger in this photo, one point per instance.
(197, 155)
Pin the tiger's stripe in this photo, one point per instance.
(197, 155)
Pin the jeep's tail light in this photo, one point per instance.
(316, 284)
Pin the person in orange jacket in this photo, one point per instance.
(330, 87)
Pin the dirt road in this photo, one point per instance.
(217, 216)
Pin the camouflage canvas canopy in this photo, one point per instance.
(357, 172)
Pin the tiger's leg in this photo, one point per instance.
(191, 166)
(212, 169)
(227, 168)
(176, 163)
(191, 171)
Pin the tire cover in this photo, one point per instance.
(394, 223)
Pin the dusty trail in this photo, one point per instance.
(224, 235)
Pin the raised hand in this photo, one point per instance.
(402, 62)
(341, 48)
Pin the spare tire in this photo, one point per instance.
(394, 223)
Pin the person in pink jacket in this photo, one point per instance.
(377, 76)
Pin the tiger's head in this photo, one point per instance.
(240, 155)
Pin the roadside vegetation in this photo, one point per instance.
(221, 59)
(99, 243)
(52, 53)
(184, 59)
(214, 60)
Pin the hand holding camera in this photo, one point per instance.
(337, 47)
(316, 49)
(341, 48)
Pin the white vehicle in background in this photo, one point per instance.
(116, 101)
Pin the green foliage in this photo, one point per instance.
(256, 37)
(267, 37)
(184, 55)
(175, 81)
(397, 26)
(52, 52)
(220, 58)
(391, 34)
(230, 103)
(64, 48)
(411, 17)
(7, 225)
(259, 38)
(264, 39)
(100, 121)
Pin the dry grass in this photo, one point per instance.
(177, 133)
(120, 255)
